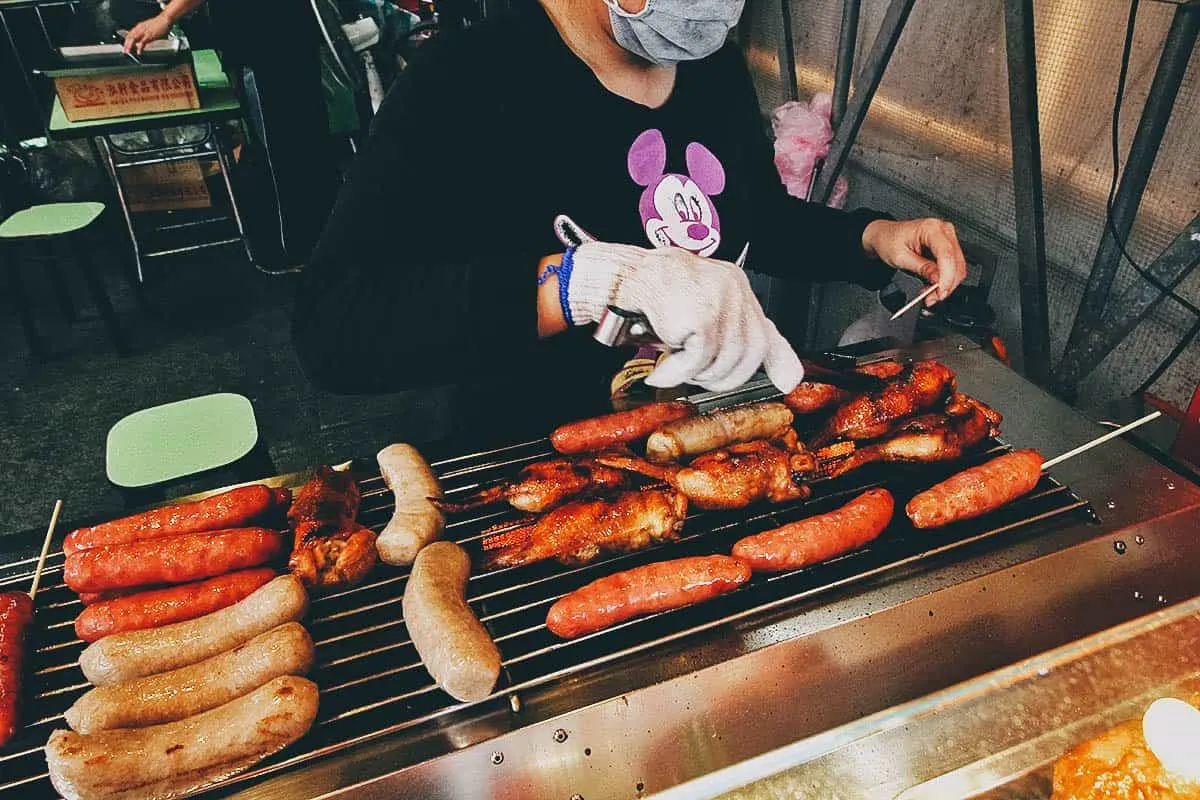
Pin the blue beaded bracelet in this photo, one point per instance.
(563, 271)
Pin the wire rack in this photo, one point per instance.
(371, 678)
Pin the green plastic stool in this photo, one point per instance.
(40, 227)
(154, 447)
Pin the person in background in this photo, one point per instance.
(287, 176)
(638, 120)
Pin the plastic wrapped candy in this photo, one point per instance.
(802, 135)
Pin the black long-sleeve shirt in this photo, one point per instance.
(426, 272)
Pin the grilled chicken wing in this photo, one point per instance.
(579, 531)
(327, 502)
(337, 559)
(733, 477)
(330, 548)
(542, 485)
(810, 396)
(872, 416)
(931, 437)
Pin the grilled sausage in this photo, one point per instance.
(977, 490)
(689, 437)
(91, 598)
(235, 508)
(818, 538)
(644, 590)
(453, 645)
(159, 607)
(169, 696)
(172, 559)
(416, 522)
(16, 615)
(809, 397)
(178, 758)
(133, 654)
(616, 430)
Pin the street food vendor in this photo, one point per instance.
(636, 119)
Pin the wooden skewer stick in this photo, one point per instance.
(1101, 440)
(37, 573)
(928, 291)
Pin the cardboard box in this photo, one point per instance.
(166, 187)
(125, 93)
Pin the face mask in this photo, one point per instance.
(666, 32)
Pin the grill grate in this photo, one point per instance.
(372, 682)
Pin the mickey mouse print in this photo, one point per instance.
(677, 210)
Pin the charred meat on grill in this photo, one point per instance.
(580, 530)
(330, 549)
(734, 477)
(811, 397)
(871, 416)
(543, 484)
(926, 439)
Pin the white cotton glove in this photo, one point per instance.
(702, 308)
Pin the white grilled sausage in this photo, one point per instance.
(134, 654)
(416, 522)
(180, 693)
(695, 435)
(182, 757)
(453, 645)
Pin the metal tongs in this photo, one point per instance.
(621, 328)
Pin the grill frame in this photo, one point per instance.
(764, 596)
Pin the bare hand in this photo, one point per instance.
(147, 31)
(926, 247)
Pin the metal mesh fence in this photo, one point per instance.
(936, 141)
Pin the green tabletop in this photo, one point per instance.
(50, 219)
(160, 444)
(218, 100)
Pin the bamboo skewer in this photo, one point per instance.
(927, 291)
(37, 573)
(1083, 448)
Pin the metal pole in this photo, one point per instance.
(1027, 188)
(1172, 66)
(865, 85)
(787, 52)
(843, 73)
(844, 69)
(1132, 306)
(782, 298)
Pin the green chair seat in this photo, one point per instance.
(50, 219)
(175, 440)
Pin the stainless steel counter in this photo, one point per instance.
(993, 737)
(653, 722)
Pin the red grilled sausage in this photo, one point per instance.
(614, 430)
(818, 538)
(163, 606)
(16, 615)
(172, 559)
(91, 598)
(644, 590)
(233, 509)
(977, 490)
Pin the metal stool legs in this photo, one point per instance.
(95, 284)
(16, 285)
(57, 281)
(103, 152)
(10, 265)
(226, 162)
